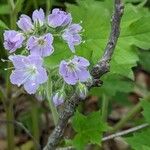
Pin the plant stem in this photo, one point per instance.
(105, 102)
(10, 127)
(13, 19)
(9, 101)
(35, 124)
(51, 105)
(48, 6)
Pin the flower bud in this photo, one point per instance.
(82, 90)
(25, 23)
(58, 98)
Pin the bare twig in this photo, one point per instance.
(101, 68)
(134, 129)
(20, 125)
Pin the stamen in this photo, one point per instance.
(9, 68)
(5, 60)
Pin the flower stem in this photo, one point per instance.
(51, 105)
(10, 127)
(35, 123)
(9, 100)
(48, 6)
(105, 102)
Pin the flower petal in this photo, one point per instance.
(38, 16)
(81, 61)
(18, 77)
(83, 74)
(18, 61)
(25, 23)
(41, 76)
(71, 78)
(31, 86)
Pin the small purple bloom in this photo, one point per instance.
(13, 40)
(28, 72)
(38, 16)
(74, 70)
(59, 18)
(25, 23)
(82, 91)
(58, 99)
(71, 36)
(41, 46)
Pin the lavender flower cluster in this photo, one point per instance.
(35, 38)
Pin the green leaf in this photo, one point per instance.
(141, 31)
(145, 148)
(140, 140)
(146, 110)
(89, 129)
(3, 25)
(144, 59)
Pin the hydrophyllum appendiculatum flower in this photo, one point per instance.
(29, 72)
(74, 70)
(36, 38)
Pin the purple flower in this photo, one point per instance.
(41, 46)
(28, 72)
(38, 16)
(59, 18)
(74, 70)
(13, 40)
(71, 36)
(25, 23)
(58, 99)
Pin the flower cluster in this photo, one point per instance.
(35, 41)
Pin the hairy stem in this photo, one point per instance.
(51, 105)
(48, 6)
